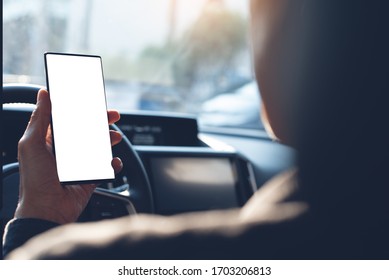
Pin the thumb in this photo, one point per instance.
(40, 118)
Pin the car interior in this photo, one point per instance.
(172, 164)
(188, 145)
(193, 170)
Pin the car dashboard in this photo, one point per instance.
(188, 169)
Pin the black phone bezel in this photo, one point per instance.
(81, 182)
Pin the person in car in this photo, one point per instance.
(321, 82)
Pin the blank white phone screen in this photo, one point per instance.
(79, 118)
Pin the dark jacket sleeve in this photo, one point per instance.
(18, 231)
(267, 227)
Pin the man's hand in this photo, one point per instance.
(41, 195)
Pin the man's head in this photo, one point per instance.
(322, 70)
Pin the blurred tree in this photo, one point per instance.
(205, 55)
(212, 46)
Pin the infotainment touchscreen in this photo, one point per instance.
(190, 183)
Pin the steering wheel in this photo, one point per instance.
(135, 188)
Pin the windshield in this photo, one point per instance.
(166, 55)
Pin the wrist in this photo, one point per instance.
(27, 211)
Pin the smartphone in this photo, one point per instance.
(79, 119)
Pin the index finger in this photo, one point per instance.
(113, 116)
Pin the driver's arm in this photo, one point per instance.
(264, 228)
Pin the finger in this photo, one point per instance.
(113, 116)
(116, 137)
(40, 118)
(117, 164)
